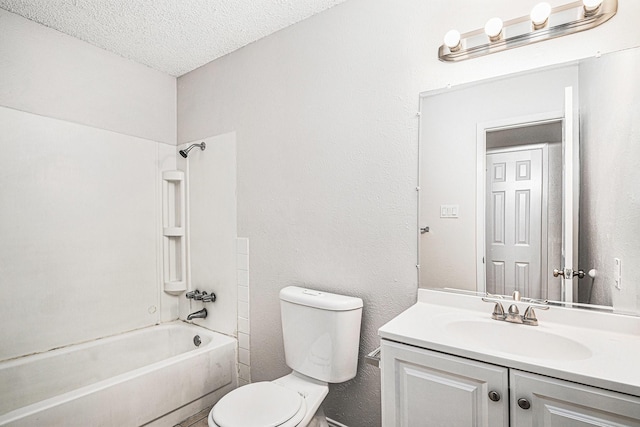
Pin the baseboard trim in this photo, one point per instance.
(333, 423)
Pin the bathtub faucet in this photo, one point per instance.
(201, 314)
(201, 296)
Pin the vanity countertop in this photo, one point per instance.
(588, 347)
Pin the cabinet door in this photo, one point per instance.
(423, 388)
(557, 403)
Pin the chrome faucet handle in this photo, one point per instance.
(516, 295)
(209, 298)
(498, 312)
(529, 317)
(192, 294)
(199, 296)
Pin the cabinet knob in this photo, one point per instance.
(494, 395)
(524, 403)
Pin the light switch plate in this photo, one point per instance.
(449, 211)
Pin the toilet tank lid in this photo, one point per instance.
(319, 299)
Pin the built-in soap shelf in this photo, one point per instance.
(173, 232)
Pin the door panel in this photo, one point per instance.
(514, 222)
(422, 388)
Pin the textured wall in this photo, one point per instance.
(326, 177)
(610, 203)
(327, 153)
(51, 74)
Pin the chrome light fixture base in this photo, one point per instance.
(563, 20)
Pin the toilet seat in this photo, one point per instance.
(262, 404)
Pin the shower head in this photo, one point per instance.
(185, 153)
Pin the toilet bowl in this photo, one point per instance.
(290, 401)
(321, 335)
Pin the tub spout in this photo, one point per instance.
(202, 314)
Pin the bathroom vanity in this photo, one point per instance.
(446, 362)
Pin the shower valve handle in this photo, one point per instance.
(209, 298)
(192, 294)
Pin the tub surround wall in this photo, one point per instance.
(79, 253)
(324, 112)
(211, 183)
(86, 136)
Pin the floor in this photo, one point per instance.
(197, 420)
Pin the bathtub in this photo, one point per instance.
(132, 379)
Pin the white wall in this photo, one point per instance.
(54, 75)
(609, 204)
(85, 134)
(327, 153)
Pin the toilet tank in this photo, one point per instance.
(321, 333)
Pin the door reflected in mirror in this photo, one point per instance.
(523, 210)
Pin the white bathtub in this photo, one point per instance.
(126, 380)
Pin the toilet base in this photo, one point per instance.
(318, 420)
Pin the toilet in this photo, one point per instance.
(321, 334)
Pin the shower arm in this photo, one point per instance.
(185, 153)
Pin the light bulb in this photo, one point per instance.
(493, 29)
(540, 15)
(452, 40)
(591, 6)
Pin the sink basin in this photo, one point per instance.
(528, 341)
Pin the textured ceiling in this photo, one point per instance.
(173, 36)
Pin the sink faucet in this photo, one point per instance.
(513, 313)
(201, 314)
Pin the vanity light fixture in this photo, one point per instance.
(452, 40)
(540, 15)
(543, 23)
(493, 29)
(591, 6)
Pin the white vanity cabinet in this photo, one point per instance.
(423, 388)
(538, 401)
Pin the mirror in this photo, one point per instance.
(520, 176)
